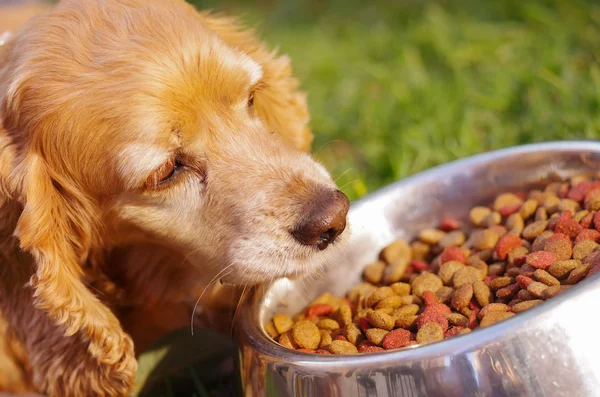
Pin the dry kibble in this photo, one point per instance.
(342, 347)
(306, 334)
(376, 335)
(511, 257)
(478, 215)
(373, 273)
(380, 319)
(466, 275)
(494, 317)
(397, 250)
(431, 236)
(430, 332)
(282, 323)
(522, 306)
(534, 229)
(584, 248)
(561, 269)
(545, 277)
(426, 282)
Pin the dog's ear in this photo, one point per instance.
(57, 226)
(279, 104)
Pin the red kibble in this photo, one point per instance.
(540, 259)
(568, 226)
(368, 347)
(524, 281)
(508, 292)
(509, 209)
(452, 254)
(587, 221)
(448, 224)
(474, 306)
(588, 234)
(364, 324)
(472, 324)
(593, 271)
(318, 310)
(419, 266)
(430, 298)
(433, 317)
(579, 191)
(597, 220)
(306, 350)
(506, 244)
(453, 331)
(520, 261)
(321, 351)
(592, 194)
(396, 339)
(341, 337)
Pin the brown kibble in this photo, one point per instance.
(492, 307)
(342, 347)
(381, 320)
(496, 269)
(373, 273)
(462, 296)
(578, 217)
(553, 291)
(561, 269)
(401, 289)
(541, 214)
(494, 317)
(420, 250)
(492, 219)
(306, 334)
(286, 340)
(515, 224)
(328, 324)
(522, 306)
(364, 289)
(457, 319)
(560, 245)
(484, 255)
(545, 277)
(282, 323)
(482, 293)
(426, 282)
(478, 215)
(584, 248)
(568, 205)
(407, 310)
(345, 315)
(525, 295)
(536, 288)
(528, 209)
(540, 241)
(479, 265)
(393, 302)
(448, 269)
(500, 282)
(534, 229)
(407, 322)
(507, 292)
(395, 271)
(452, 239)
(551, 203)
(431, 236)
(430, 332)
(270, 329)
(326, 339)
(444, 294)
(506, 200)
(578, 273)
(378, 295)
(398, 250)
(376, 335)
(466, 275)
(484, 239)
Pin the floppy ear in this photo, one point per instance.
(57, 226)
(280, 105)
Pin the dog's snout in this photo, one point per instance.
(324, 220)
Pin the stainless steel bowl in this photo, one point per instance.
(550, 350)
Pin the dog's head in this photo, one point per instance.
(136, 121)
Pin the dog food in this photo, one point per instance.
(525, 248)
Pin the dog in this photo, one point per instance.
(147, 149)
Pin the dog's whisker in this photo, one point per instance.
(325, 144)
(348, 183)
(215, 278)
(342, 174)
(190, 254)
(237, 308)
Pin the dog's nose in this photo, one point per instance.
(324, 221)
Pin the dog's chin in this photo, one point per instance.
(251, 264)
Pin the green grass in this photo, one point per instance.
(399, 86)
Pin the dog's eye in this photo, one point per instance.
(166, 171)
(251, 99)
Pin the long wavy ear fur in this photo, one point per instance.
(279, 104)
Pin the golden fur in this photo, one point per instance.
(98, 102)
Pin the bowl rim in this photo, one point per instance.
(256, 337)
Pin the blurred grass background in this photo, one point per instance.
(399, 86)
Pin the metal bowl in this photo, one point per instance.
(550, 350)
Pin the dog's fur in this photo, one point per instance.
(98, 100)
